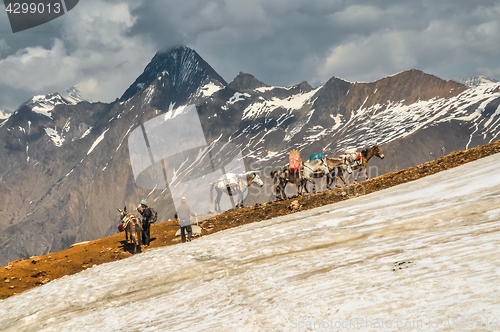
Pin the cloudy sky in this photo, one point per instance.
(103, 45)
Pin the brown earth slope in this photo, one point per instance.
(22, 275)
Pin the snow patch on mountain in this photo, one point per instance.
(338, 121)
(54, 136)
(293, 102)
(86, 132)
(265, 88)
(4, 115)
(43, 110)
(97, 141)
(238, 96)
(208, 89)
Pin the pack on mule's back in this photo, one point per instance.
(314, 157)
(294, 161)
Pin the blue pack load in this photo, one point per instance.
(315, 157)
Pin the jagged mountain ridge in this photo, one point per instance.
(342, 115)
(65, 172)
(175, 78)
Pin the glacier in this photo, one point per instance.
(421, 255)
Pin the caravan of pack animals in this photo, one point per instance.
(297, 172)
(301, 172)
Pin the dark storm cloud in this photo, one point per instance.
(285, 42)
(87, 46)
(270, 39)
(104, 45)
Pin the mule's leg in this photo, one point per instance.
(280, 188)
(139, 232)
(329, 180)
(283, 189)
(366, 172)
(357, 175)
(302, 187)
(348, 176)
(325, 179)
(314, 185)
(239, 199)
(133, 239)
(217, 201)
(339, 175)
(138, 243)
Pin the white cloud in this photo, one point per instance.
(93, 50)
(448, 43)
(4, 47)
(368, 59)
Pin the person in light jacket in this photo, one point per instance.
(185, 212)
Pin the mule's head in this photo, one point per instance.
(123, 212)
(377, 152)
(256, 179)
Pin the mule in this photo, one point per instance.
(336, 169)
(281, 177)
(133, 226)
(313, 169)
(233, 185)
(310, 169)
(337, 166)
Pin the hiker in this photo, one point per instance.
(184, 213)
(145, 211)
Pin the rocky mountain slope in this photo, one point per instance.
(65, 168)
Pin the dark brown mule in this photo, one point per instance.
(281, 178)
(337, 166)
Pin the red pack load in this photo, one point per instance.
(294, 161)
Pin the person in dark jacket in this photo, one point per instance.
(145, 211)
(184, 213)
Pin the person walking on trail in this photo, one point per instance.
(184, 213)
(145, 211)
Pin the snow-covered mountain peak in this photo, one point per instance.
(477, 80)
(179, 72)
(73, 95)
(44, 104)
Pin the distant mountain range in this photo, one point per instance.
(477, 80)
(68, 164)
